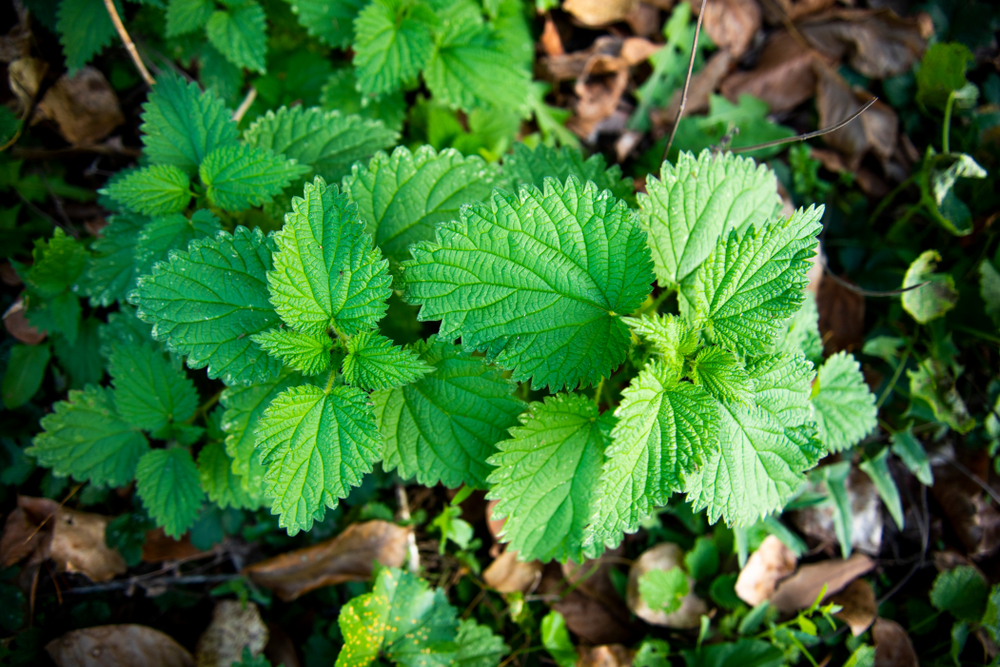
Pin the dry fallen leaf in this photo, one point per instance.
(599, 12)
(607, 55)
(732, 24)
(598, 101)
(703, 84)
(769, 564)
(118, 646)
(233, 628)
(779, 11)
(22, 536)
(591, 621)
(663, 556)
(507, 574)
(347, 557)
(841, 317)
(614, 655)
(802, 588)
(550, 40)
(25, 77)
(280, 649)
(593, 610)
(892, 645)
(859, 607)
(84, 106)
(17, 325)
(974, 520)
(644, 20)
(158, 547)
(78, 545)
(876, 131)
(783, 76)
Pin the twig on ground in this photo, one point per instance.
(413, 559)
(687, 79)
(808, 135)
(129, 45)
(244, 106)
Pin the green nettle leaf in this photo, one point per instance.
(722, 375)
(240, 176)
(537, 281)
(206, 303)
(392, 43)
(326, 141)
(157, 190)
(172, 232)
(404, 196)
(547, 477)
(86, 438)
(665, 430)
(223, 486)
(181, 124)
(989, 289)
(315, 445)
(306, 353)
(58, 262)
(110, 274)
(800, 333)
(330, 21)
(478, 646)
(670, 335)
(326, 274)
(184, 16)
(942, 72)
(782, 385)
(167, 482)
(933, 299)
(243, 409)
(82, 359)
(913, 455)
(664, 590)
(750, 284)
(240, 34)
(531, 166)
(402, 620)
(149, 392)
(934, 384)
(85, 29)
(845, 406)
(962, 592)
(443, 427)
(373, 362)
(697, 201)
(341, 93)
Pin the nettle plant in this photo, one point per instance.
(540, 292)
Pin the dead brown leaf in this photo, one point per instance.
(280, 649)
(17, 325)
(599, 12)
(877, 43)
(974, 520)
(703, 84)
(593, 610)
(867, 522)
(841, 316)
(28, 531)
(859, 607)
(598, 101)
(347, 557)
(607, 55)
(876, 131)
(84, 107)
(118, 646)
(779, 11)
(892, 645)
(614, 655)
(550, 40)
(78, 545)
(769, 564)
(664, 556)
(783, 76)
(233, 628)
(732, 24)
(507, 574)
(802, 588)
(591, 621)
(25, 77)
(644, 20)
(158, 547)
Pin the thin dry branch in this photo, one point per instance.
(244, 106)
(687, 79)
(808, 135)
(129, 45)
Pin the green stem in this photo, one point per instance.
(655, 304)
(329, 382)
(894, 380)
(597, 393)
(891, 196)
(205, 407)
(946, 131)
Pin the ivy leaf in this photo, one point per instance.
(392, 43)
(111, 274)
(665, 430)
(547, 476)
(326, 273)
(373, 362)
(845, 406)
(442, 428)
(240, 176)
(181, 124)
(401, 619)
(184, 16)
(303, 352)
(531, 166)
(206, 302)
(157, 190)
(223, 486)
(326, 141)
(749, 284)
(149, 392)
(933, 299)
(962, 592)
(566, 261)
(404, 196)
(85, 29)
(315, 445)
(167, 482)
(86, 438)
(937, 181)
(664, 590)
(330, 21)
(695, 202)
(722, 375)
(240, 34)
(933, 384)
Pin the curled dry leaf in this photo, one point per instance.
(233, 628)
(783, 76)
(876, 131)
(665, 556)
(598, 101)
(975, 520)
(593, 610)
(17, 325)
(25, 77)
(644, 20)
(347, 557)
(84, 106)
(841, 317)
(859, 607)
(78, 545)
(550, 40)
(614, 655)
(507, 574)
(732, 24)
(28, 531)
(599, 12)
(769, 564)
(118, 646)
(892, 645)
(607, 55)
(802, 588)
(877, 43)
(779, 11)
